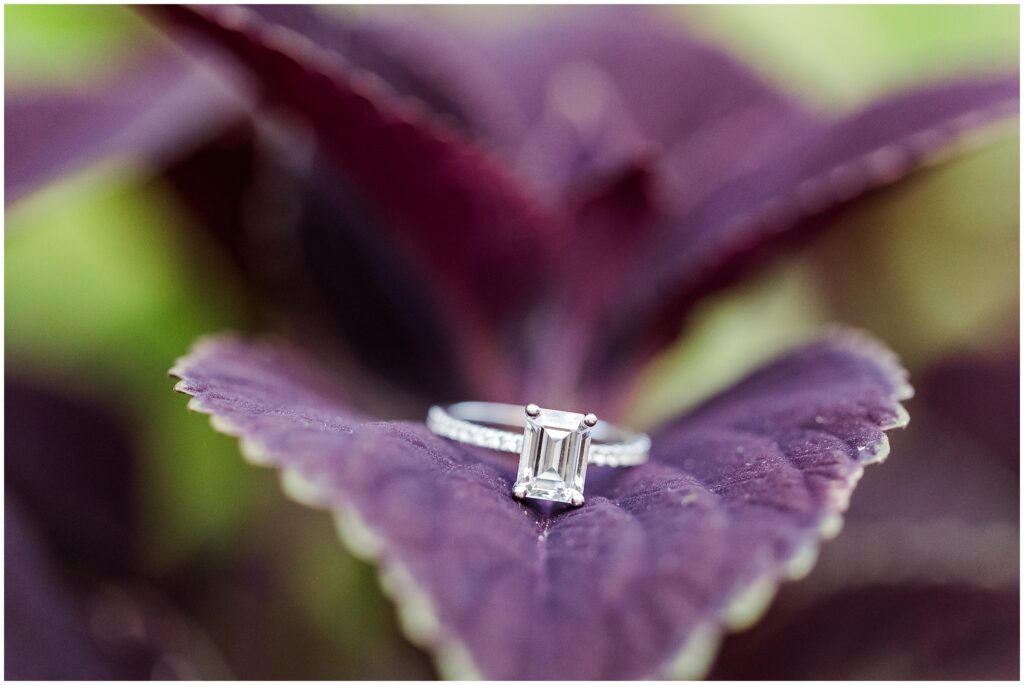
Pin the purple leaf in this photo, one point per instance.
(946, 473)
(214, 181)
(417, 58)
(937, 537)
(76, 606)
(349, 278)
(323, 270)
(46, 632)
(136, 113)
(748, 219)
(613, 219)
(455, 210)
(244, 595)
(71, 463)
(637, 583)
(63, 627)
(929, 632)
(947, 511)
(559, 97)
(981, 395)
(593, 107)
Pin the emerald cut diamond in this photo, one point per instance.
(553, 461)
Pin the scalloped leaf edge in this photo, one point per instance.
(419, 620)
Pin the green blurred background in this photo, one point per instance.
(105, 286)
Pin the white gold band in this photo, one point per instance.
(462, 421)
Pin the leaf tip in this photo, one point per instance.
(300, 488)
(219, 423)
(694, 660)
(356, 535)
(801, 563)
(254, 453)
(749, 604)
(875, 453)
(831, 526)
(863, 344)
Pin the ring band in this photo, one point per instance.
(461, 422)
(554, 446)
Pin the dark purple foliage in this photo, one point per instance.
(748, 484)
(901, 631)
(465, 221)
(722, 197)
(817, 169)
(993, 385)
(46, 633)
(59, 444)
(135, 114)
(530, 215)
(935, 539)
(591, 106)
(70, 543)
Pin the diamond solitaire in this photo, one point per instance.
(553, 460)
(554, 447)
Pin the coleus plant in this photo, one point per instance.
(550, 203)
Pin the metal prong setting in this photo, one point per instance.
(519, 491)
(576, 499)
(532, 410)
(590, 420)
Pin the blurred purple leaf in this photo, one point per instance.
(749, 483)
(458, 213)
(737, 170)
(58, 628)
(523, 89)
(77, 605)
(907, 631)
(215, 181)
(136, 112)
(46, 631)
(418, 59)
(933, 547)
(980, 395)
(71, 463)
(946, 513)
(945, 472)
(392, 326)
(927, 568)
(314, 260)
(750, 218)
(671, 157)
(245, 596)
(614, 218)
(593, 107)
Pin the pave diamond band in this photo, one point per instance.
(554, 446)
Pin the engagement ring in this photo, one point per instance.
(554, 446)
